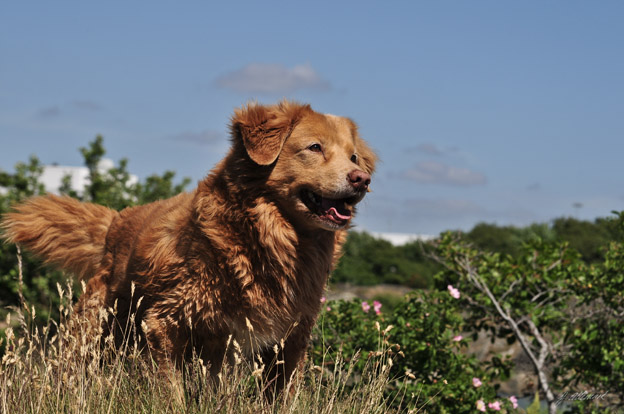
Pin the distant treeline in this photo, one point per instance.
(368, 260)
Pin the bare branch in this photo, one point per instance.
(511, 288)
(538, 361)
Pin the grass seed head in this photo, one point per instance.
(249, 325)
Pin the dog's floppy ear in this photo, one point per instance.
(263, 129)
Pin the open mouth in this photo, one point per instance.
(335, 212)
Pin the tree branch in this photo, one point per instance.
(538, 361)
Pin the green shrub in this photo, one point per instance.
(423, 339)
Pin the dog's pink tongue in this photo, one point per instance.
(336, 209)
(335, 213)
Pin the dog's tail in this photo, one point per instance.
(62, 231)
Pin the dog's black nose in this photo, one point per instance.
(359, 179)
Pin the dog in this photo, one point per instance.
(246, 255)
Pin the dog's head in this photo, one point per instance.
(319, 166)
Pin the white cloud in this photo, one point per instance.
(87, 105)
(445, 208)
(267, 78)
(50, 112)
(431, 172)
(429, 148)
(421, 215)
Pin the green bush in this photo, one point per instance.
(424, 342)
(368, 260)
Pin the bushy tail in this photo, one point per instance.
(62, 231)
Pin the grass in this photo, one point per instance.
(66, 368)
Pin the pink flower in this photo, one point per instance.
(328, 309)
(476, 382)
(377, 307)
(365, 307)
(495, 406)
(323, 299)
(454, 292)
(408, 324)
(481, 405)
(514, 401)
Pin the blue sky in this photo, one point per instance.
(505, 112)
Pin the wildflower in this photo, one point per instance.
(365, 307)
(481, 406)
(514, 401)
(454, 292)
(458, 338)
(496, 406)
(476, 382)
(377, 307)
(323, 299)
(408, 324)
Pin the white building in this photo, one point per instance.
(399, 239)
(52, 176)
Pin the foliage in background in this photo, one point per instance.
(114, 188)
(596, 326)
(567, 315)
(427, 350)
(586, 237)
(368, 260)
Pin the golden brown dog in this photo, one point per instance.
(253, 245)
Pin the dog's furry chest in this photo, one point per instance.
(268, 295)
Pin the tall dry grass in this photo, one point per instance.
(66, 368)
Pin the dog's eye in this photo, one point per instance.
(315, 148)
(354, 158)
